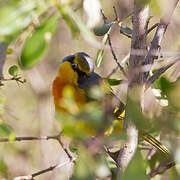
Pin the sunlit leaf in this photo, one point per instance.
(164, 85)
(14, 16)
(113, 82)
(13, 70)
(36, 44)
(125, 30)
(100, 52)
(103, 29)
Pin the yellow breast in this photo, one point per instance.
(67, 77)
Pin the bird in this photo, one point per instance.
(76, 72)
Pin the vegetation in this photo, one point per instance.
(135, 47)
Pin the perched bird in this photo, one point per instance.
(77, 73)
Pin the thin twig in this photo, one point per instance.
(112, 50)
(157, 74)
(116, 16)
(51, 168)
(155, 45)
(152, 27)
(123, 61)
(30, 138)
(163, 166)
(18, 79)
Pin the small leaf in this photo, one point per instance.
(164, 85)
(5, 130)
(9, 51)
(113, 82)
(36, 45)
(102, 30)
(13, 70)
(125, 30)
(100, 52)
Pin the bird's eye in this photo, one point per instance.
(84, 75)
(74, 66)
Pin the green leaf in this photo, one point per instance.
(164, 85)
(14, 16)
(100, 52)
(13, 70)
(103, 29)
(136, 169)
(113, 82)
(36, 44)
(3, 169)
(125, 30)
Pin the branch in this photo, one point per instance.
(155, 44)
(3, 49)
(138, 42)
(18, 79)
(124, 60)
(152, 27)
(158, 73)
(51, 168)
(163, 166)
(30, 138)
(129, 149)
(110, 45)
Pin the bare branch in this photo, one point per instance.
(51, 168)
(112, 50)
(163, 166)
(152, 27)
(30, 138)
(18, 79)
(158, 73)
(155, 44)
(3, 49)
